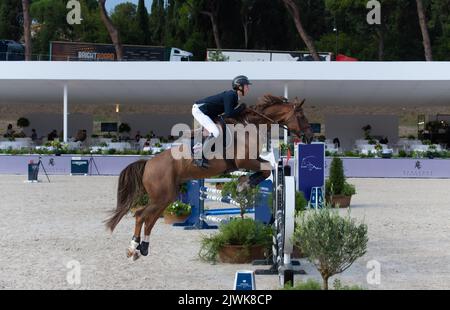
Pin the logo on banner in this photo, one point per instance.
(418, 171)
(310, 163)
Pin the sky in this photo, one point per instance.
(110, 4)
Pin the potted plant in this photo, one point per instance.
(22, 122)
(337, 191)
(367, 129)
(124, 128)
(240, 241)
(330, 241)
(177, 212)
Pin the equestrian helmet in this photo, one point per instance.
(240, 80)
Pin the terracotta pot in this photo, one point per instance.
(238, 254)
(341, 200)
(171, 218)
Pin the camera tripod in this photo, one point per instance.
(36, 172)
(92, 162)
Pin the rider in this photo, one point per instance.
(225, 103)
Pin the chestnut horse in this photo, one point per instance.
(162, 176)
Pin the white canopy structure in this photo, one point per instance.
(321, 83)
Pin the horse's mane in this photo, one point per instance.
(268, 100)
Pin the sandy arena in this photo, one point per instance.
(45, 226)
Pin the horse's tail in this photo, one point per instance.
(129, 189)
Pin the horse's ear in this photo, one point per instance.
(303, 101)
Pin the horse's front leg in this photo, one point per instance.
(262, 172)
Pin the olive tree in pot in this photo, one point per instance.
(337, 191)
(331, 242)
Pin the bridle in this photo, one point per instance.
(299, 133)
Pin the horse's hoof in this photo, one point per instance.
(144, 248)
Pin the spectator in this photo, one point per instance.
(33, 135)
(52, 135)
(138, 136)
(9, 131)
(81, 136)
(146, 146)
(384, 140)
(337, 143)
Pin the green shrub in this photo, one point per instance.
(331, 242)
(178, 208)
(337, 178)
(402, 154)
(312, 285)
(245, 232)
(337, 285)
(349, 189)
(300, 202)
(309, 285)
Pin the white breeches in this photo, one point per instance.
(205, 121)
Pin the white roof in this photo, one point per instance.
(356, 83)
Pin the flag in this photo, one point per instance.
(342, 57)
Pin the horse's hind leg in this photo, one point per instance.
(149, 223)
(132, 251)
(151, 216)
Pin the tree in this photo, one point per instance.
(112, 30)
(157, 22)
(49, 17)
(211, 9)
(10, 20)
(292, 8)
(424, 29)
(246, 18)
(124, 18)
(143, 23)
(27, 28)
(331, 242)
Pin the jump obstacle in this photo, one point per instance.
(281, 213)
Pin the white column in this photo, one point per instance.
(286, 95)
(65, 114)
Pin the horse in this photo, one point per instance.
(162, 176)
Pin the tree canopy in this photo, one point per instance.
(195, 25)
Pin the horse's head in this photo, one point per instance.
(298, 123)
(289, 114)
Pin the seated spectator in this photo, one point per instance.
(337, 143)
(33, 135)
(81, 136)
(52, 135)
(9, 131)
(146, 146)
(138, 136)
(384, 140)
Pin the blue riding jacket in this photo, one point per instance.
(224, 102)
